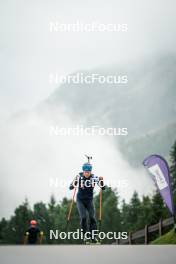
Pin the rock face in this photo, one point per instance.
(145, 105)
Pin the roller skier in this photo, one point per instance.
(33, 235)
(85, 182)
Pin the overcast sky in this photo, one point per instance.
(29, 52)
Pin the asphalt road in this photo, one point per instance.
(112, 254)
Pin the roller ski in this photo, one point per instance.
(92, 242)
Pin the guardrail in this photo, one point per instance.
(145, 233)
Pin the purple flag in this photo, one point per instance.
(158, 167)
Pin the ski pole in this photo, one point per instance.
(41, 237)
(100, 210)
(71, 206)
(26, 238)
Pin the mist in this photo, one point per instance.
(34, 162)
(29, 155)
(30, 52)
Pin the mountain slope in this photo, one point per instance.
(145, 104)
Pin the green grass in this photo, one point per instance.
(168, 238)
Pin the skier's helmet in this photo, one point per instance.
(33, 222)
(87, 167)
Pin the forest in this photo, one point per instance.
(116, 216)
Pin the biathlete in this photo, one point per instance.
(85, 182)
(33, 235)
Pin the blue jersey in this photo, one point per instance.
(85, 186)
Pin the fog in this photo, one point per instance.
(29, 52)
(35, 162)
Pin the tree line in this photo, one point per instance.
(117, 216)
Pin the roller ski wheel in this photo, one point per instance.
(95, 242)
(92, 242)
(87, 241)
